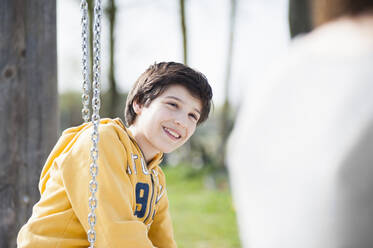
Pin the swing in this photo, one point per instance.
(93, 168)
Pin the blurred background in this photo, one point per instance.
(231, 41)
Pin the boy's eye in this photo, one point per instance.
(194, 117)
(172, 104)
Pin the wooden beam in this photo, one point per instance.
(28, 106)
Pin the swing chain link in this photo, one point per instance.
(96, 104)
(85, 68)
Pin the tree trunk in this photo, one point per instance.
(225, 121)
(184, 31)
(28, 106)
(300, 20)
(113, 92)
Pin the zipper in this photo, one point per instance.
(151, 199)
(151, 177)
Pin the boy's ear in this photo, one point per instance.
(137, 107)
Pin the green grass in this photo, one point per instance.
(202, 218)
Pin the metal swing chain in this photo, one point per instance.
(86, 82)
(96, 104)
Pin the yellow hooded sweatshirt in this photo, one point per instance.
(132, 208)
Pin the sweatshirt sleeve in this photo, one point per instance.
(161, 231)
(116, 225)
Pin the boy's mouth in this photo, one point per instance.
(172, 133)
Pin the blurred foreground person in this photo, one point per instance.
(301, 154)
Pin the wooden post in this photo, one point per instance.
(28, 106)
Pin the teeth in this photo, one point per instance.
(172, 133)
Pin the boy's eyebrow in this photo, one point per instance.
(178, 99)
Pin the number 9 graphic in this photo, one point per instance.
(142, 193)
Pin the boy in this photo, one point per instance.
(162, 111)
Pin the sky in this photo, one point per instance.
(148, 31)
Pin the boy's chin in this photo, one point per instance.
(166, 151)
(169, 149)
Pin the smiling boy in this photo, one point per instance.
(167, 123)
(163, 109)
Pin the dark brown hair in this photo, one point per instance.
(158, 77)
(326, 10)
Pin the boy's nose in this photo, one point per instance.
(180, 123)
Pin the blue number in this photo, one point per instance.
(142, 193)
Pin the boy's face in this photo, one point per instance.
(168, 121)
